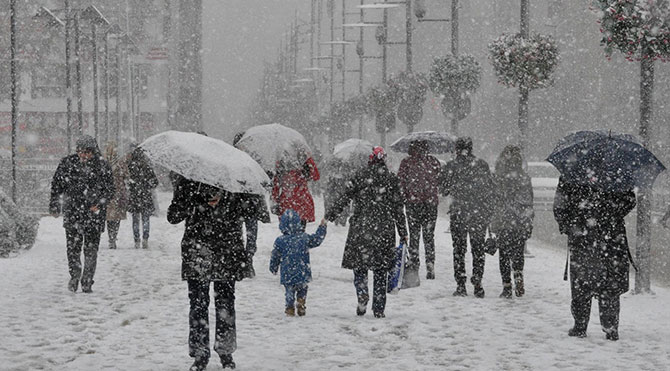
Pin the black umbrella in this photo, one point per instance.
(438, 141)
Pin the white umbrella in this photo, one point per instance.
(274, 143)
(207, 160)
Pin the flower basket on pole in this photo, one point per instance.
(412, 90)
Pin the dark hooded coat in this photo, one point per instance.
(419, 175)
(212, 248)
(467, 179)
(81, 186)
(377, 213)
(593, 220)
(141, 182)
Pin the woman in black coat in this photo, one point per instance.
(141, 182)
(377, 213)
(512, 220)
(212, 250)
(593, 220)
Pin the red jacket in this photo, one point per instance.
(419, 178)
(290, 190)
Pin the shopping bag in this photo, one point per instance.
(396, 274)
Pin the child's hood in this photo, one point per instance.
(290, 222)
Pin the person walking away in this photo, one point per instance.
(419, 175)
(371, 240)
(512, 222)
(337, 174)
(141, 182)
(80, 190)
(291, 253)
(599, 258)
(256, 210)
(467, 179)
(212, 251)
(117, 206)
(290, 190)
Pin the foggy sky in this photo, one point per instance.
(239, 35)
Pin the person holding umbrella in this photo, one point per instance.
(371, 241)
(141, 182)
(419, 175)
(290, 190)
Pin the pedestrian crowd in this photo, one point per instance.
(491, 210)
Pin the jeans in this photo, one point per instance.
(145, 226)
(113, 229)
(461, 226)
(379, 279)
(421, 217)
(510, 250)
(224, 301)
(293, 292)
(89, 239)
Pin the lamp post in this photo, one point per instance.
(112, 30)
(14, 88)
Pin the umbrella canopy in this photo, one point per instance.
(609, 161)
(349, 156)
(438, 141)
(207, 160)
(275, 144)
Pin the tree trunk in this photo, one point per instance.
(643, 245)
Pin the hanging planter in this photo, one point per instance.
(454, 74)
(636, 27)
(383, 101)
(527, 63)
(412, 89)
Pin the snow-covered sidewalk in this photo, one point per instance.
(136, 318)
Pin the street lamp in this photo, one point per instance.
(112, 30)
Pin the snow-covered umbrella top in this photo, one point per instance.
(207, 160)
(275, 144)
(349, 156)
(438, 141)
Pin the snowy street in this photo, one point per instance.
(136, 317)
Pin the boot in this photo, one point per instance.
(112, 244)
(430, 271)
(479, 291)
(611, 334)
(73, 284)
(145, 244)
(518, 284)
(507, 291)
(577, 332)
(460, 290)
(362, 305)
(200, 364)
(227, 361)
(137, 244)
(290, 311)
(301, 307)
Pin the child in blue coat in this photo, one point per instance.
(291, 252)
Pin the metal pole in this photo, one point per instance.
(360, 68)
(344, 51)
(118, 93)
(384, 64)
(525, 27)
(105, 78)
(139, 87)
(96, 127)
(311, 35)
(77, 51)
(331, 8)
(408, 26)
(68, 77)
(131, 88)
(454, 52)
(15, 90)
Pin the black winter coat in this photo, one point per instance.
(593, 220)
(467, 179)
(212, 248)
(82, 185)
(513, 204)
(141, 182)
(377, 212)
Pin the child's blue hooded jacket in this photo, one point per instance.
(291, 250)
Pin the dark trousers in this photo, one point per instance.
(113, 229)
(295, 292)
(510, 253)
(89, 239)
(379, 281)
(145, 225)
(225, 341)
(421, 217)
(461, 226)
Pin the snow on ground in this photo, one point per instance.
(136, 318)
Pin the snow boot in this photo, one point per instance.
(145, 244)
(227, 361)
(611, 334)
(300, 308)
(507, 291)
(461, 290)
(200, 364)
(430, 271)
(290, 311)
(479, 291)
(112, 245)
(362, 305)
(73, 284)
(379, 315)
(577, 332)
(137, 244)
(518, 284)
